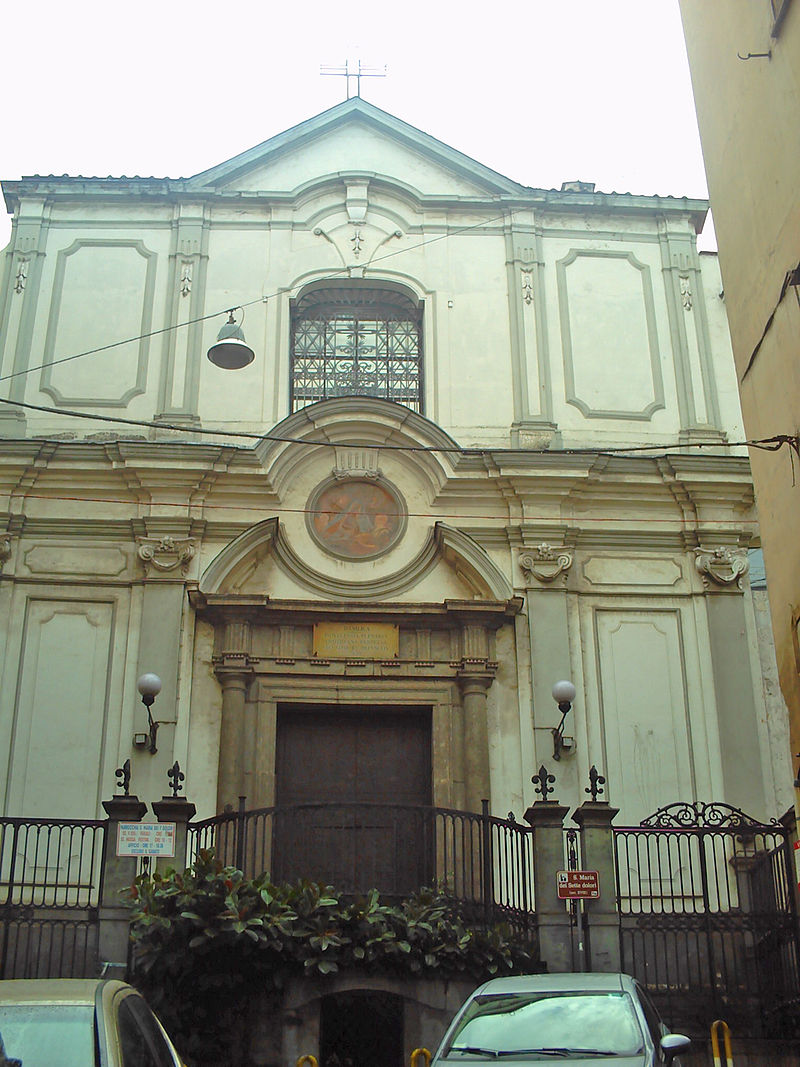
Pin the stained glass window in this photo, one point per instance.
(356, 339)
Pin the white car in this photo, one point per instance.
(75, 1022)
(578, 1018)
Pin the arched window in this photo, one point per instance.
(356, 338)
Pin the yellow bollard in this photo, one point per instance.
(309, 1059)
(726, 1035)
(420, 1052)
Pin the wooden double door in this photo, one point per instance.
(353, 796)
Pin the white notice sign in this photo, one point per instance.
(146, 839)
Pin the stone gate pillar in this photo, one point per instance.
(119, 872)
(595, 818)
(552, 918)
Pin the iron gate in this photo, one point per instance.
(707, 918)
(50, 878)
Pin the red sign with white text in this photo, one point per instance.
(578, 885)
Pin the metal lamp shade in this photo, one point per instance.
(231, 352)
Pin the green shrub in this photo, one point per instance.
(206, 939)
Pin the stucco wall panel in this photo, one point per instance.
(606, 302)
(644, 712)
(102, 293)
(59, 737)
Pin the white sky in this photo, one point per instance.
(543, 91)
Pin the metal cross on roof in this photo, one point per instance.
(348, 73)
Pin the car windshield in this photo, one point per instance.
(42, 1035)
(525, 1023)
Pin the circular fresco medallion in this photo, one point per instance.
(356, 519)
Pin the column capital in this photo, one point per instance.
(234, 675)
(474, 681)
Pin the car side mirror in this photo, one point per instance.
(673, 1045)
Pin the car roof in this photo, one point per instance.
(558, 983)
(53, 990)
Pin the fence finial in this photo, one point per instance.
(543, 778)
(596, 783)
(123, 775)
(176, 776)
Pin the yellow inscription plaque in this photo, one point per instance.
(356, 640)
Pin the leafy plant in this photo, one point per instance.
(206, 937)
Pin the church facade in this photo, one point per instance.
(486, 444)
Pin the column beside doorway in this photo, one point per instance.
(234, 684)
(265, 658)
(475, 757)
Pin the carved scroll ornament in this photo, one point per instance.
(5, 552)
(721, 566)
(22, 276)
(527, 285)
(686, 292)
(166, 553)
(545, 563)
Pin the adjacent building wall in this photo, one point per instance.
(745, 63)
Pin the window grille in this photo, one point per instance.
(356, 340)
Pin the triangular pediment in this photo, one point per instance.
(355, 138)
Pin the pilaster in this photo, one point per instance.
(698, 402)
(20, 313)
(179, 386)
(545, 570)
(533, 425)
(722, 571)
(165, 556)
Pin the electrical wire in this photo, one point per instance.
(792, 278)
(341, 272)
(770, 444)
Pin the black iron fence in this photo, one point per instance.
(483, 861)
(50, 882)
(707, 918)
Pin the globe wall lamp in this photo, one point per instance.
(149, 686)
(230, 351)
(563, 694)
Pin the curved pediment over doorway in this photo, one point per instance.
(235, 570)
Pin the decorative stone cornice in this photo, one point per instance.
(721, 566)
(166, 553)
(545, 563)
